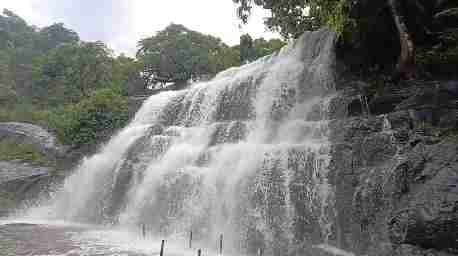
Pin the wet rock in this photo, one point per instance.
(16, 170)
(435, 104)
(396, 184)
(134, 104)
(430, 219)
(44, 141)
(228, 132)
(22, 182)
(410, 250)
(386, 103)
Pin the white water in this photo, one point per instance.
(244, 155)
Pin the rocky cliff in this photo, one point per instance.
(395, 168)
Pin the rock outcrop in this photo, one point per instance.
(395, 169)
(41, 139)
(22, 181)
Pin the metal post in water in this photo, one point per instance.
(161, 253)
(221, 244)
(190, 240)
(199, 252)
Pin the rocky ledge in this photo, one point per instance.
(44, 141)
(395, 169)
(20, 180)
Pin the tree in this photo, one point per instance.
(355, 22)
(55, 35)
(178, 54)
(264, 48)
(247, 51)
(251, 50)
(225, 58)
(126, 75)
(72, 71)
(93, 119)
(289, 17)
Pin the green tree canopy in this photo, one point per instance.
(26, 42)
(247, 51)
(126, 75)
(55, 35)
(251, 50)
(72, 71)
(178, 54)
(385, 31)
(264, 47)
(93, 119)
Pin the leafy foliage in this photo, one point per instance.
(8, 96)
(382, 32)
(247, 51)
(125, 73)
(51, 78)
(264, 48)
(93, 119)
(56, 35)
(442, 58)
(178, 54)
(25, 42)
(292, 17)
(71, 72)
(251, 50)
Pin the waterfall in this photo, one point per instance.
(245, 155)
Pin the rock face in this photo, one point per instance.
(41, 139)
(21, 181)
(395, 170)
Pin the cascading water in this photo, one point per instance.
(244, 155)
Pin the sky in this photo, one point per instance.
(122, 23)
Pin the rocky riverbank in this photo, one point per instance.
(32, 160)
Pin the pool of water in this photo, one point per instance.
(34, 238)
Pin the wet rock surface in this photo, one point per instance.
(21, 182)
(16, 170)
(395, 170)
(44, 141)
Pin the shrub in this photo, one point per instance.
(92, 120)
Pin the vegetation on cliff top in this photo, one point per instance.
(386, 34)
(79, 89)
(177, 54)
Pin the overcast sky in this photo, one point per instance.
(122, 23)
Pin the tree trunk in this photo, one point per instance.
(406, 67)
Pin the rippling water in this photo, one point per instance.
(21, 238)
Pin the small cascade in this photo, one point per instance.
(245, 155)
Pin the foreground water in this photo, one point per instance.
(39, 238)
